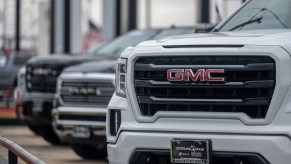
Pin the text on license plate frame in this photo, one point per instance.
(191, 151)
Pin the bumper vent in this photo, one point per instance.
(248, 87)
(42, 78)
(67, 117)
(143, 156)
(115, 121)
(88, 93)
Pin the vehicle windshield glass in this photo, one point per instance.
(174, 31)
(116, 46)
(95, 48)
(261, 14)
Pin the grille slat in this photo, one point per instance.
(249, 101)
(67, 117)
(248, 67)
(248, 87)
(114, 121)
(166, 84)
(87, 93)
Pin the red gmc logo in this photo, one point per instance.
(199, 75)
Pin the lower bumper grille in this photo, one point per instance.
(163, 157)
(115, 121)
(247, 87)
(82, 118)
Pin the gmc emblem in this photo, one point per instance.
(199, 75)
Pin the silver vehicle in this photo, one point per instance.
(82, 96)
(222, 97)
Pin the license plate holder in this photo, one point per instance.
(37, 106)
(191, 151)
(81, 132)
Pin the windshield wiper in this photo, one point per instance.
(258, 20)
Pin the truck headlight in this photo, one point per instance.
(120, 86)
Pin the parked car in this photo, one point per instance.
(42, 73)
(222, 97)
(10, 63)
(82, 97)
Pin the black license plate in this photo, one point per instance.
(191, 151)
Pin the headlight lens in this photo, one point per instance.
(120, 79)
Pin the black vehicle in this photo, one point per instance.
(41, 78)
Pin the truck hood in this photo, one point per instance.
(255, 37)
(103, 66)
(68, 59)
(59, 59)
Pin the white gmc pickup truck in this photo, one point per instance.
(218, 98)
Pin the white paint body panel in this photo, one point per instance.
(228, 132)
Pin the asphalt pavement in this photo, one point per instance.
(37, 146)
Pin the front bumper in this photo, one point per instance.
(273, 148)
(66, 118)
(37, 108)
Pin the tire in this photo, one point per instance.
(49, 135)
(33, 128)
(86, 151)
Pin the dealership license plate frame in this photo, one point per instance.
(201, 155)
(37, 106)
(81, 132)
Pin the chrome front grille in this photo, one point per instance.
(86, 93)
(248, 87)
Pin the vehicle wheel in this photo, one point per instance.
(49, 135)
(87, 151)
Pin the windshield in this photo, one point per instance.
(95, 48)
(261, 14)
(115, 47)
